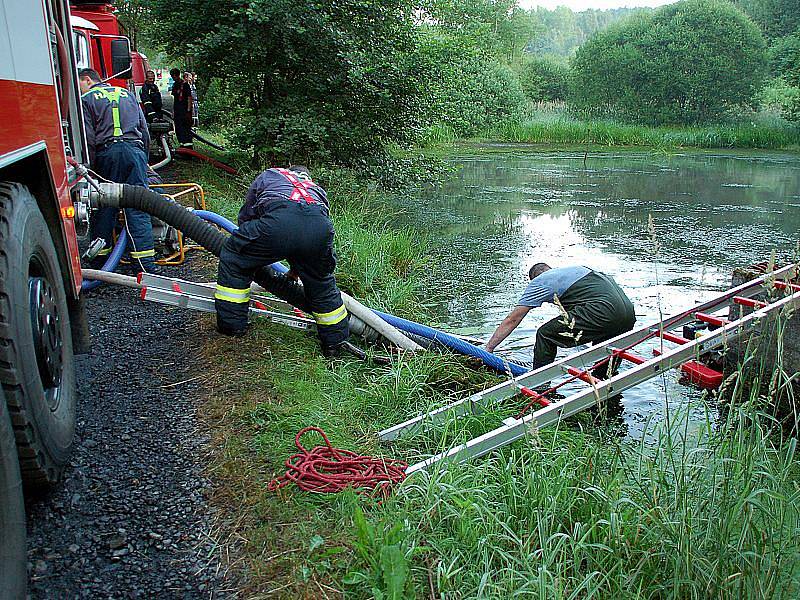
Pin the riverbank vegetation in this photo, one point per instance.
(573, 512)
(690, 510)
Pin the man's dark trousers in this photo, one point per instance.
(125, 162)
(598, 310)
(295, 231)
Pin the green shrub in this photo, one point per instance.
(544, 79)
(462, 88)
(784, 59)
(688, 62)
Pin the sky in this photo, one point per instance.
(579, 5)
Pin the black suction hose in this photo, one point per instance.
(210, 238)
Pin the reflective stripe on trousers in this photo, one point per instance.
(235, 295)
(330, 318)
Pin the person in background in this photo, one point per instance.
(182, 109)
(195, 104)
(118, 141)
(597, 310)
(150, 96)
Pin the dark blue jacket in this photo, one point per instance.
(98, 119)
(270, 187)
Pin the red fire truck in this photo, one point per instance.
(42, 320)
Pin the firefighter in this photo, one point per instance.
(597, 310)
(118, 142)
(284, 217)
(150, 96)
(182, 109)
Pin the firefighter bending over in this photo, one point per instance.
(284, 217)
(597, 310)
(119, 143)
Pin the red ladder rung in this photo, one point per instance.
(582, 375)
(711, 319)
(750, 302)
(671, 337)
(630, 356)
(536, 397)
(782, 285)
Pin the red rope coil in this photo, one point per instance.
(328, 470)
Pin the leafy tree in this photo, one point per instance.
(135, 17)
(498, 26)
(322, 80)
(461, 85)
(544, 78)
(776, 18)
(687, 62)
(784, 59)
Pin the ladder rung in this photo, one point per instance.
(751, 302)
(782, 285)
(581, 374)
(536, 397)
(711, 319)
(672, 337)
(629, 356)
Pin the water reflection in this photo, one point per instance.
(500, 214)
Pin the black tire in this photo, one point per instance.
(36, 360)
(13, 577)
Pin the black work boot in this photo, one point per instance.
(231, 331)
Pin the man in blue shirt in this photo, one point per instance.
(597, 310)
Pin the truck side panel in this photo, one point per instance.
(30, 116)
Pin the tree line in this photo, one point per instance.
(342, 80)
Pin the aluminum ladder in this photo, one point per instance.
(200, 296)
(578, 366)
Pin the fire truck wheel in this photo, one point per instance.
(12, 513)
(36, 361)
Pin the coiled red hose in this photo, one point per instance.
(328, 470)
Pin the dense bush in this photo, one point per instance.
(687, 62)
(784, 59)
(327, 80)
(544, 79)
(462, 87)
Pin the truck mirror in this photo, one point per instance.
(121, 64)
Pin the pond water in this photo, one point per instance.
(500, 213)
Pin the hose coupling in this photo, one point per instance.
(105, 194)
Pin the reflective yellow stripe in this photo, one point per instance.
(330, 318)
(104, 252)
(143, 253)
(113, 95)
(228, 294)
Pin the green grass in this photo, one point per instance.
(572, 512)
(553, 125)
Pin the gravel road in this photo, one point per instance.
(131, 519)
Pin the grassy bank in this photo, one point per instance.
(553, 125)
(567, 513)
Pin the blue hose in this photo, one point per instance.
(450, 341)
(217, 220)
(112, 262)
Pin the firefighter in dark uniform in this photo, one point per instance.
(284, 217)
(119, 142)
(150, 96)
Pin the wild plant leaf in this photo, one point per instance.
(394, 567)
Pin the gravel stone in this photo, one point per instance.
(136, 476)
